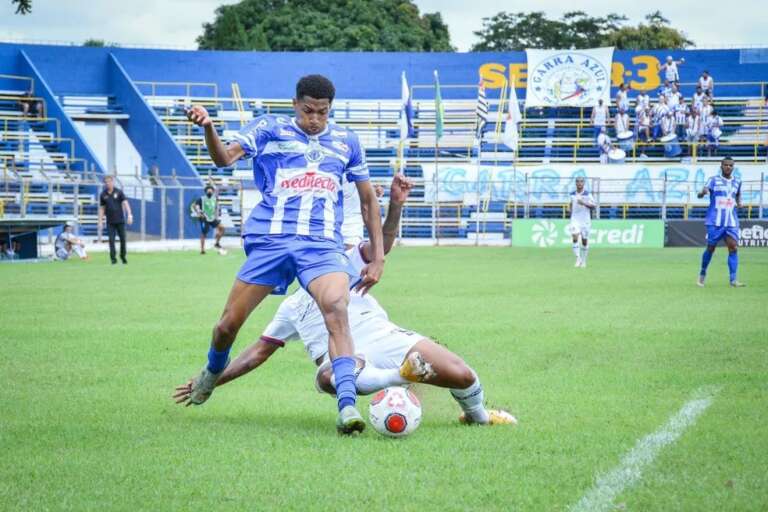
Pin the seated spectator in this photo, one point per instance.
(67, 242)
(621, 121)
(706, 82)
(681, 118)
(668, 124)
(10, 251)
(603, 145)
(30, 106)
(658, 113)
(3, 250)
(698, 98)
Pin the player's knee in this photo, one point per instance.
(335, 308)
(226, 328)
(465, 377)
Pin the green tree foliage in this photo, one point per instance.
(330, 25)
(656, 35)
(94, 43)
(517, 31)
(22, 6)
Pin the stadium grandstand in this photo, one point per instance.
(97, 111)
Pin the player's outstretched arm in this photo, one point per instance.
(223, 155)
(370, 208)
(398, 193)
(249, 359)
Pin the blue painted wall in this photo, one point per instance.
(357, 75)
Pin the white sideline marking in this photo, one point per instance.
(630, 469)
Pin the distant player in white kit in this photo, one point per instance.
(582, 204)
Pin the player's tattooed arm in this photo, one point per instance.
(398, 194)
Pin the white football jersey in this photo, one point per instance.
(299, 317)
(352, 226)
(580, 214)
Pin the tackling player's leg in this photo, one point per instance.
(243, 299)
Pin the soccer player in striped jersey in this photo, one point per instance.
(722, 219)
(299, 165)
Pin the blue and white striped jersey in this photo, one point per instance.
(722, 201)
(299, 176)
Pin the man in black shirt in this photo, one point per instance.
(113, 203)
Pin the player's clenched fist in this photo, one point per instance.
(198, 115)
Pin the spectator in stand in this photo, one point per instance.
(29, 105)
(693, 128)
(599, 118)
(643, 130)
(706, 108)
(658, 113)
(668, 123)
(714, 125)
(706, 82)
(3, 249)
(673, 97)
(10, 251)
(114, 205)
(698, 99)
(670, 70)
(67, 242)
(643, 102)
(621, 121)
(666, 90)
(622, 98)
(603, 145)
(681, 118)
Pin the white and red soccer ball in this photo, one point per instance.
(395, 412)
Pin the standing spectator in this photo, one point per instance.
(681, 118)
(658, 113)
(67, 242)
(603, 145)
(3, 250)
(621, 121)
(670, 69)
(11, 250)
(643, 102)
(206, 209)
(698, 99)
(599, 119)
(673, 96)
(29, 105)
(643, 130)
(668, 123)
(114, 204)
(706, 108)
(693, 129)
(706, 82)
(714, 125)
(622, 98)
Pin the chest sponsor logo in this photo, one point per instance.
(284, 132)
(340, 145)
(297, 182)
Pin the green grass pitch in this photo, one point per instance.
(589, 361)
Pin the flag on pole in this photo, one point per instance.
(406, 112)
(481, 111)
(511, 137)
(439, 111)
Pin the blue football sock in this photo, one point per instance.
(217, 361)
(705, 259)
(344, 375)
(733, 264)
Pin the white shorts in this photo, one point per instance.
(579, 228)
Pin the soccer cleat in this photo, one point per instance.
(737, 284)
(578, 263)
(203, 386)
(349, 421)
(583, 264)
(416, 369)
(495, 417)
(700, 281)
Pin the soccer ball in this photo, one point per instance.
(395, 412)
(222, 252)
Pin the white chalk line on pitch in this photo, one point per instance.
(630, 470)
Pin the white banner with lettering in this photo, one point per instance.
(573, 78)
(620, 184)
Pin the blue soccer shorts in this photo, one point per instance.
(277, 260)
(717, 233)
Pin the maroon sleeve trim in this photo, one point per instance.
(274, 341)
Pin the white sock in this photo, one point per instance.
(471, 401)
(372, 379)
(584, 251)
(576, 249)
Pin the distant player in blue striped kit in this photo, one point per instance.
(299, 165)
(722, 219)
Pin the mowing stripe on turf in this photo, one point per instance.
(630, 469)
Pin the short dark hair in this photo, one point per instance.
(315, 86)
(208, 187)
(727, 158)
